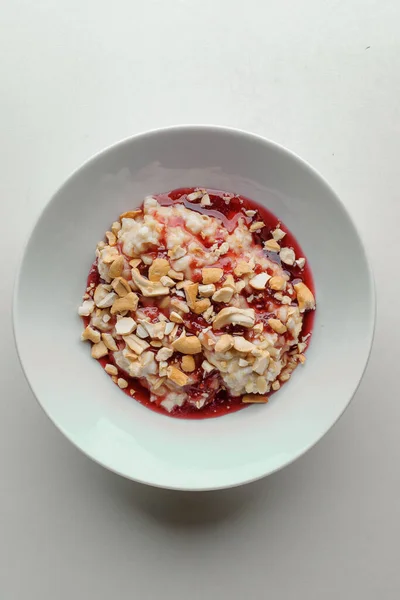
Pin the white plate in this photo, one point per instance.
(115, 430)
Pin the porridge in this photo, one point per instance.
(199, 303)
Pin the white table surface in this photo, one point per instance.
(321, 77)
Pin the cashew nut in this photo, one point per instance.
(234, 316)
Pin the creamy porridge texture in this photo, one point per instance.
(198, 302)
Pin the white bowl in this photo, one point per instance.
(115, 430)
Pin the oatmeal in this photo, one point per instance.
(199, 303)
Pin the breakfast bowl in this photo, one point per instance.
(122, 431)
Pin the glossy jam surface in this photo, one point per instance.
(229, 213)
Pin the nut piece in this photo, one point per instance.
(112, 240)
(276, 385)
(122, 383)
(128, 302)
(177, 376)
(125, 326)
(175, 317)
(242, 268)
(301, 262)
(187, 344)
(188, 364)
(254, 399)
(117, 266)
(272, 246)
(287, 256)
(256, 226)
(224, 343)
(130, 214)
(109, 342)
(223, 295)
(99, 350)
(120, 286)
(86, 309)
(242, 345)
(201, 306)
(136, 344)
(167, 281)
(111, 369)
(205, 201)
(211, 274)
(164, 354)
(91, 334)
(235, 316)
(191, 293)
(277, 283)
(278, 234)
(158, 269)
(305, 297)
(135, 262)
(147, 287)
(259, 281)
(206, 290)
(175, 275)
(277, 325)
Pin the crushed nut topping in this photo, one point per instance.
(191, 308)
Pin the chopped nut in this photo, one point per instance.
(305, 297)
(180, 305)
(256, 226)
(120, 286)
(114, 378)
(128, 302)
(109, 257)
(147, 287)
(99, 350)
(262, 385)
(187, 344)
(91, 334)
(242, 362)
(201, 306)
(211, 274)
(230, 282)
(301, 347)
(207, 367)
(107, 301)
(191, 293)
(109, 342)
(277, 325)
(115, 227)
(240, 285)
(206, 290)
(242, 268)
(261, 364)
(259, 282)
(301, 262)
(142, 332)
(272, 246)
(175, 317)
(242, 345)
(86, 309)
(177, 376)
(135, 343)
(205, 201)
(135, 262)
(168, 327)
(111, 369)
(156, 343)
(112, 240)
(122, 383)
(175, 275)
(277, 283)
(132, 392)
(224, 343)
(188, 364)
(177, 252)
(235, 316)
(278, 234)
(250, 213)
(285, 376)
(223, 295)
(158, 269)
(276, 385)
(258, 328)
(125, 326)
(130, 214)
(117, 267)
(167, 281)
(287, 256)
(254, 399)
(301, 358)
(196, 195)
(164, 354)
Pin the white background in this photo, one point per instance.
(321, 77)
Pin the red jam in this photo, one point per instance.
(229, 213)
